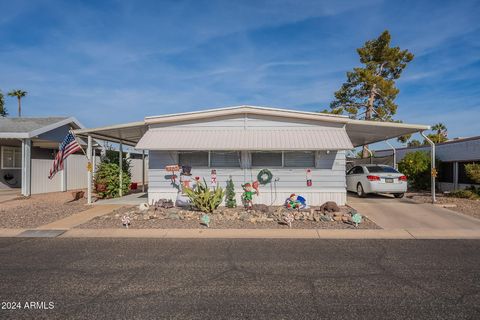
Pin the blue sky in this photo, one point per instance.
(108, 62)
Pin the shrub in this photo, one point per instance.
(203, 198)
(473, 171)
(466, 194)
(230, 200)
(107, 182)
(113, 156)
(416, 166)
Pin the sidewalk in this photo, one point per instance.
(258, 233)
(81, 217)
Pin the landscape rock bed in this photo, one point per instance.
(465, 206)
(39, 209)
(262, 217)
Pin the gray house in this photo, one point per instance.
(453, 156)
(239, 142)
(27, 148)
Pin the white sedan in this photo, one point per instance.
(376, 178)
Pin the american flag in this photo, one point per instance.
(67, 147)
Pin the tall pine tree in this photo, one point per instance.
(369, 92)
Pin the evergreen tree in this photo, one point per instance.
(3, 110)
(369, 92)
(230, 200)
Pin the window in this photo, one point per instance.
(356, 170)
(266, 159)
(462, 173)
(11, 158)
(193, 159)
(303, 159)
(381, 169)
(225, 159)
(445, 174)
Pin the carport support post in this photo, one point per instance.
(394, 154)
(26, 167)
(143, 170)
(120, 164)
(432, 145)
(89, 170)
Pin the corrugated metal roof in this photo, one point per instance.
(241, 139)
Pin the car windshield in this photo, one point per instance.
(381, 169)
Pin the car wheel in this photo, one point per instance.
(398, 195)
(360, 191)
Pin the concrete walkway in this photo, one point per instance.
(252, 233)
(79, 218)
(130, 199)
(390, 213)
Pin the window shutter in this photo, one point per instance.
(224, 159)
(304, 159)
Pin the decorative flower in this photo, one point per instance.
(197, 178)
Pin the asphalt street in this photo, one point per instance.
(239, 279)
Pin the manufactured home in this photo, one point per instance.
(304, 151)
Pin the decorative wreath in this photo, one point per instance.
(264, 176)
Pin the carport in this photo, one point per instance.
(360, 132)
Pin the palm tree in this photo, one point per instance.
(441, 133)
(3, 111)
(19, 94)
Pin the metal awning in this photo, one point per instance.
(127, 133)
(363, 132)
(246, 139)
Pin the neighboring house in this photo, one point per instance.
(27, 149)
(453, 156)
(238, 142)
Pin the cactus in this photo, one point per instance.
(203, 198)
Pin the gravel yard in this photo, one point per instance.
(39, 209)
(183, 219)
(465, 206)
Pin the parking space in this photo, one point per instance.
(391, 213)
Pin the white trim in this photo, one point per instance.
(1, 157)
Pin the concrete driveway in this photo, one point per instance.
(391, 213)
(9, 194)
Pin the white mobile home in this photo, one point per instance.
(238, 142)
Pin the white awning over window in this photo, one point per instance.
(250, 139)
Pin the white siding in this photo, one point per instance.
(136, 170)
(328, 179)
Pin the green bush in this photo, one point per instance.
(416, 166)
(473, 171)
(203, 198)
(466, 194)
(107, 181)
(230, 200)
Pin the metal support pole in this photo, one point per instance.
(89, 170)
(394, 154)
(94, 161)
(143, 170)
(433, 169)
(120, 164)
(63, 175)
(26, 167)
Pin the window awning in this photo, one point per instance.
(245, 139)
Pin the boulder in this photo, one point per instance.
(261, 207)
(329, 206)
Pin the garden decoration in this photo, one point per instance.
(296, 202)
(205, 219)
(186, 177)
(213, 178)
(126, 221)
(173, 168)
(264, 176)
(356, 218)
(248, 192)
(309, 178)
(289, 219)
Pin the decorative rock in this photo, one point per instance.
(261, 207)
(174, 216)
(337, 218)
(143, 207)
(329, 206)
